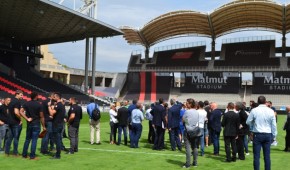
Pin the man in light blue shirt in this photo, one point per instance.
(137, 118)
(94, 125)
(262, 123)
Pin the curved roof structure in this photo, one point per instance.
(235, 16)
(45, 22)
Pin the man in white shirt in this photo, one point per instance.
(263, 126)
(202, 118)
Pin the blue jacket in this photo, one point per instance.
(158, 113)
(174, 116)
(91, 107)
(130, 109)
(215, 120)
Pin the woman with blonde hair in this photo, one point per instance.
(113, 123)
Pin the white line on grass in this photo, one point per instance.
(134, 152)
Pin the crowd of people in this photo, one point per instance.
(50, 114)
(240, 125)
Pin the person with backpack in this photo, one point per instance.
(94, 114)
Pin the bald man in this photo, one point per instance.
(215, 126)
(287, 129)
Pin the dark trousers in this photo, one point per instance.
(136, 134)
(122, 128)
(241, 146)
(174, 138)
(13, 134)
(230, 145)
(113, 133)
(262, 140)
(47, 138)
(159, 138)
(32, 133)
(151, 134)
(73, 134)
(3, 130)
(215, 137)
(57, 136)
(287, 140)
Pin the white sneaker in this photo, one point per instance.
(275, 143)
(248, 154)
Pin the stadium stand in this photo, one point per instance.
(10, 84)
(48, 84)
(163, 86)
(107, 91)
(135, 61)
(179, 57)
(248, 54)
(221, 98)
(133, 86)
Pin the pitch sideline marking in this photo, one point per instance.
(120, 151)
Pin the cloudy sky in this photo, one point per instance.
(113, 54)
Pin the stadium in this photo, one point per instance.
(212, 68)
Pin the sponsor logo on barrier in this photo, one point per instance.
(245, 52)
(209, 80)
(272, 82)
(276, 80)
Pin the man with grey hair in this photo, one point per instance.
(243, 131)
(173, 124)
(215, 127)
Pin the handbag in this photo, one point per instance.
(195, 132)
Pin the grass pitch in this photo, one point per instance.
(106, 156)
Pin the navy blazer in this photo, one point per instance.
(215, 120)
(174, 116)
(158, 112)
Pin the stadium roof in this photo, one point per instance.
(43, 22)
(235, 16)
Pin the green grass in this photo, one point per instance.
(106, 156)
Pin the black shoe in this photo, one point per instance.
(54, 157)
(194, 164)
(45, 153)
(76, 150)
(234, 159)
(227, 160)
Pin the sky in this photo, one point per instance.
(113, 54)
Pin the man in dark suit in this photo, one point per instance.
(215, 127)
(231, 125)
(158, 113)
(243, 129)
(173, 124)
(287, 129)
(122, 117)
